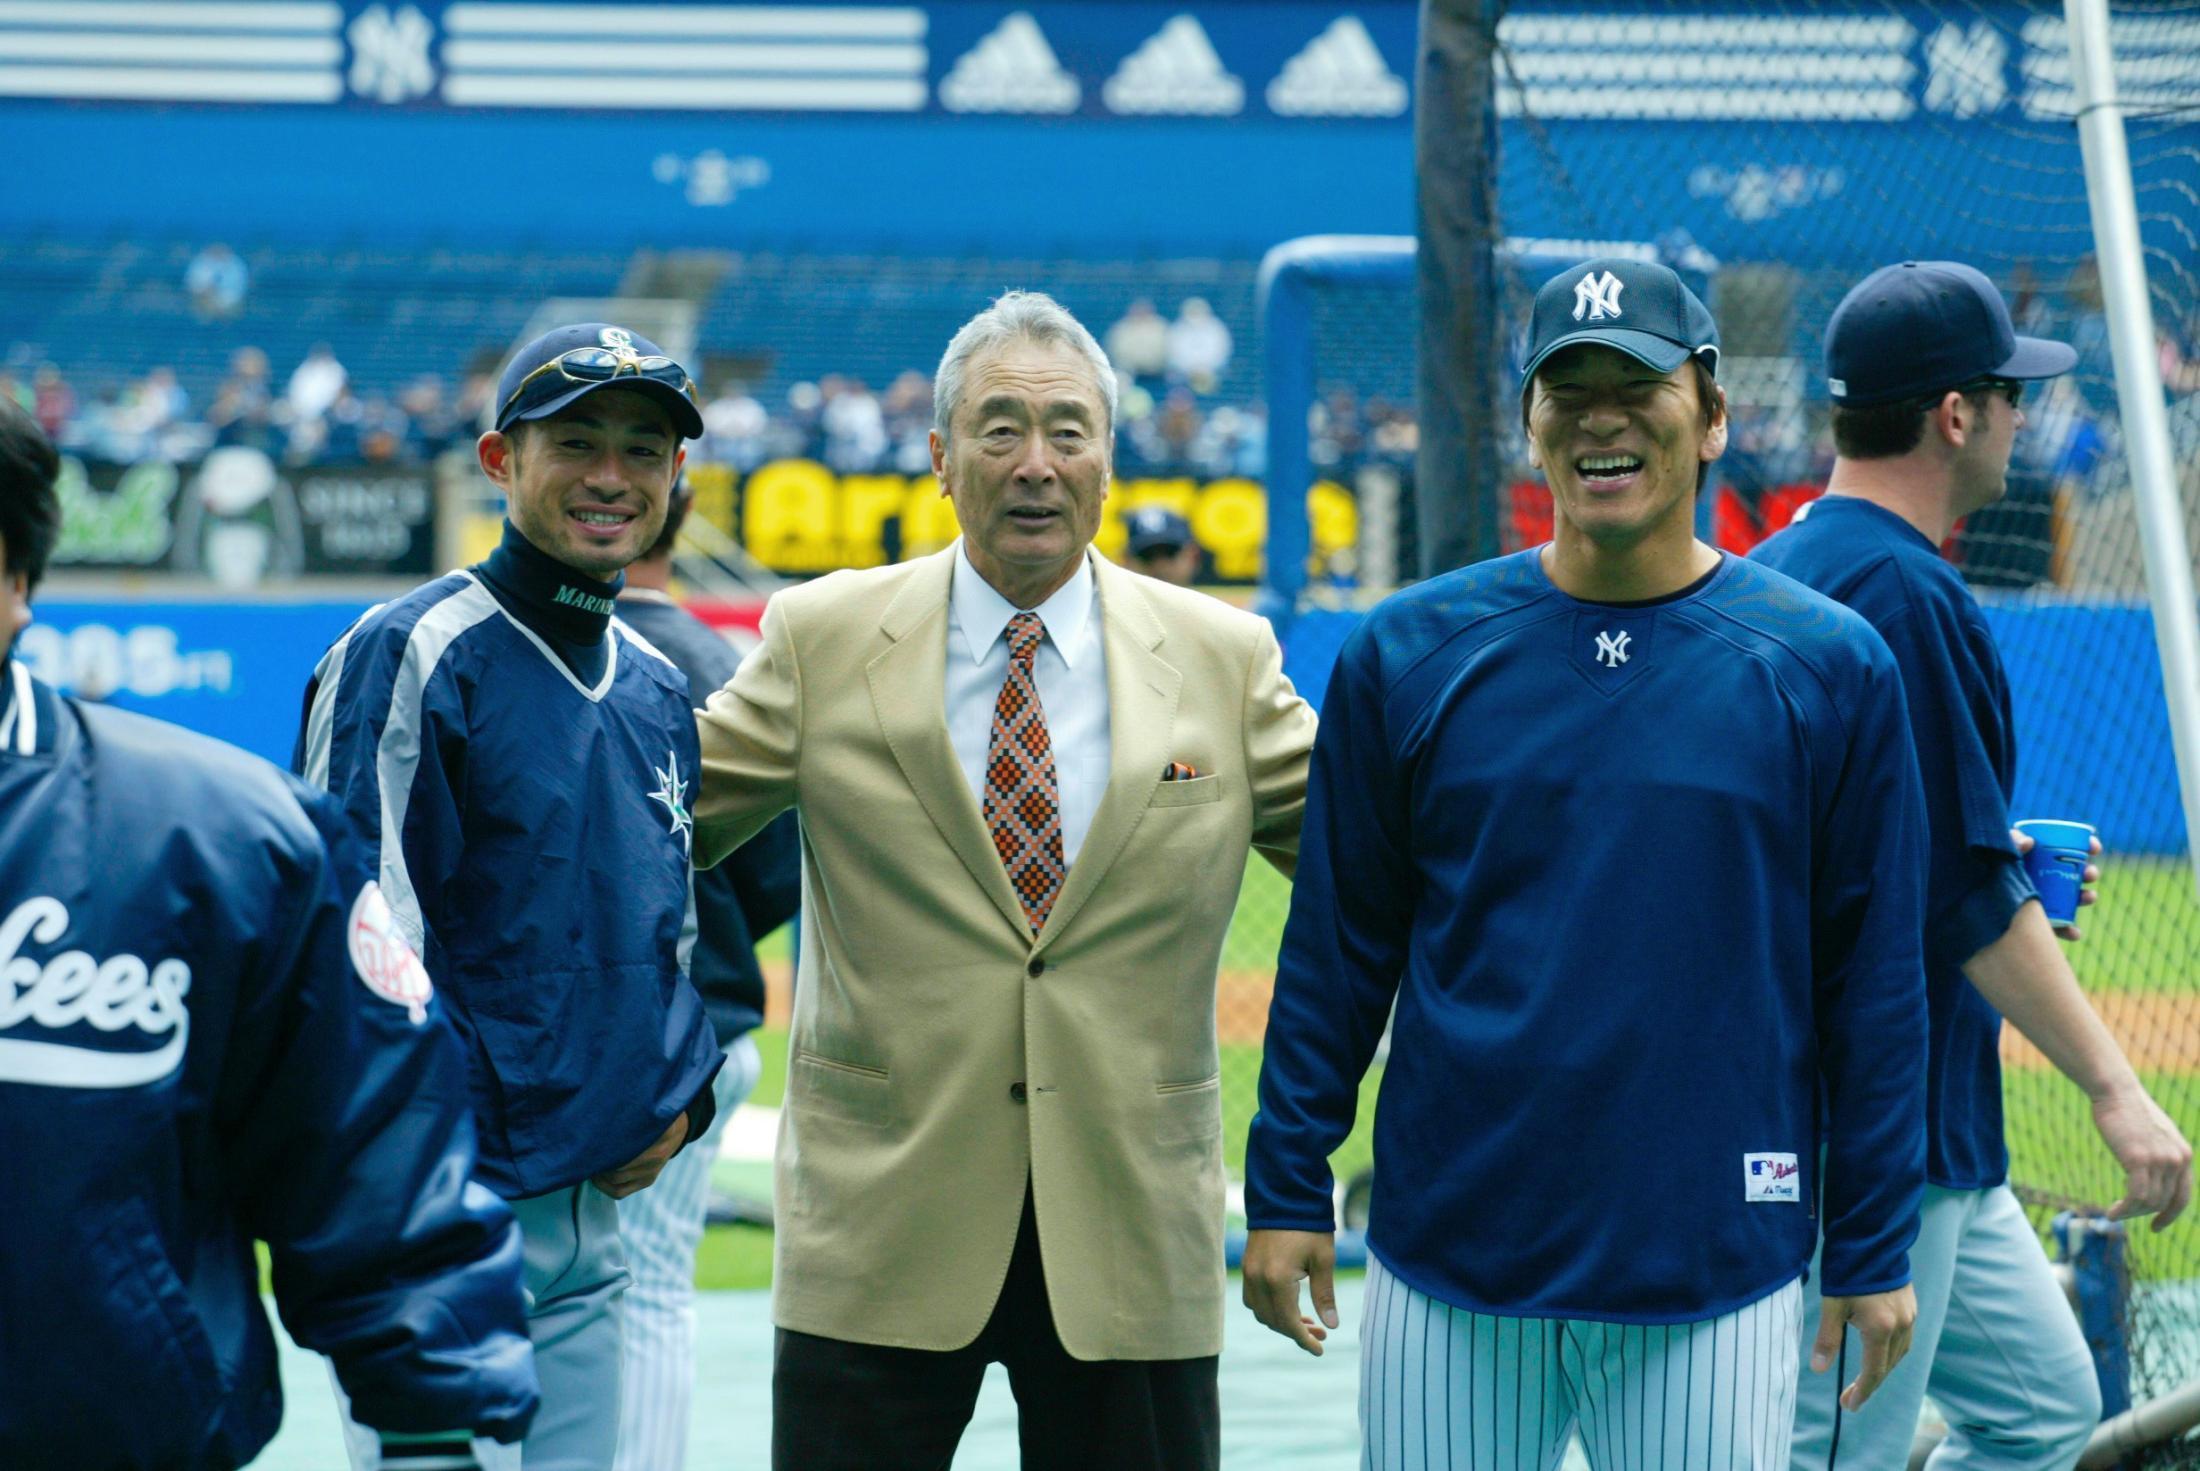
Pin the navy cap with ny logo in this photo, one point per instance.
(1638, 307)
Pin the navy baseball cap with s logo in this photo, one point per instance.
(566, 364)
(1638, 307)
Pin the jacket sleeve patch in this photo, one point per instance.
(383, 958)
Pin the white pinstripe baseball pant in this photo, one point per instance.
(662, 1227)
(1445, 1389)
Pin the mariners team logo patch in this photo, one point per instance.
(672, 794)
(383, 957)
(1771, 1177)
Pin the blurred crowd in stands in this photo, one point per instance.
(314, 413)
(1177, 418)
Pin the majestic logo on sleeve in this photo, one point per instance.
(71, 1020)
(1612, 648)
(1597, 297)
(672, 792)
(383, 958)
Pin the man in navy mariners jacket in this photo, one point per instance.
(209, 1031)
(521, 763)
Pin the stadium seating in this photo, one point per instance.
(109, 310)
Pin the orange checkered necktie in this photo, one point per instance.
(1023, 806)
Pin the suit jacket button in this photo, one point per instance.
(1036, 968)
(1016, 1092)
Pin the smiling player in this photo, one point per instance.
(522, 763)
(1630, 833)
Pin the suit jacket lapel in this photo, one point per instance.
(1142, 696)
(908, 691)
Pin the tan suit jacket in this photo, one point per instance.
(923, 997)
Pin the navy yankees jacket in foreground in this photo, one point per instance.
(206, 1036)
(1635, 875)
(521, 764)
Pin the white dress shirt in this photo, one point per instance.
(1070, 669)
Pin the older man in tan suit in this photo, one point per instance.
(1028, 782)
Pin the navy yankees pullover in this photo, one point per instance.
(521, 763)
(1635, 878)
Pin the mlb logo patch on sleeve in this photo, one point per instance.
(1772, 1177)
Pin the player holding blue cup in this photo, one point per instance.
(2058, 861)
(1927, 377)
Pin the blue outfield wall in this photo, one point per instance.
(2088, 691)
(234, 671)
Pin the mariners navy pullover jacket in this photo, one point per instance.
(521, 764)
(206, 1036)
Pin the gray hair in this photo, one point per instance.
(1018, 316)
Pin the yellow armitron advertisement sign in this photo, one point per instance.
(799, 516)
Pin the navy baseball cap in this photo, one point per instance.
(568, 363)
(1639, 307)
(1923, 326)
(1156, 527)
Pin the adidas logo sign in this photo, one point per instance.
(1012, 70)
(1176, 71)
(1339, 74)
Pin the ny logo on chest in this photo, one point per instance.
(1609, 652)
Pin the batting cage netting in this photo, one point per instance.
(1774, 154)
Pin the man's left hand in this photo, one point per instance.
(1883, 1320)
(2157, 1161)
(2086, 892)
(1276, 1262)
(641, 1172)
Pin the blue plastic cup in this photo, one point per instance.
(2056, 864)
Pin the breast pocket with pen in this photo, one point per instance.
(1190, 792)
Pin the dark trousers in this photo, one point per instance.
(840, 1406)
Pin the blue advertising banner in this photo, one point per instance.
(234, 671)
(237, 671)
